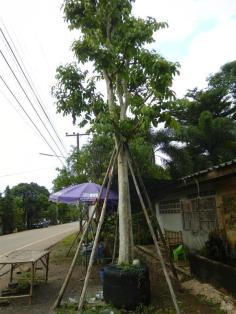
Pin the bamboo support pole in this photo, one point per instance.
(99, 226)
(156, 220)
(32, 282)
(11, 273)
(172, 293)
(47, 266)
(116, 238)
(68, 276)
(146, 196)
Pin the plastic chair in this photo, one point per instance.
(179, 252)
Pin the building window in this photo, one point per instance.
(170, 207)
(199, 213)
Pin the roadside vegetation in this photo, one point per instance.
(24, 205)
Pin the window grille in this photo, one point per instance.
(169, 207)
(199, 213)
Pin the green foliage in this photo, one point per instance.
(76, 94)
(24, 281)
(67, 213)
(91, 162)
(33, 200)
(113, 40)
(206, 135)
(141, 231)
(18, 214)
(64, 178)
(225, 80)
(25, 204)
(7, 212)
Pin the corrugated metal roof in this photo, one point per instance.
(217, 167)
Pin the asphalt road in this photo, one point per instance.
(36, 239)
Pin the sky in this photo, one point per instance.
(200, 37)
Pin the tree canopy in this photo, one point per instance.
(91, 162)
(207, 130)
(26, 203)
(138, 83)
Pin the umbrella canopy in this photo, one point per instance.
(81, 193)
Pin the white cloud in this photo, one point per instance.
(184, 16)
(206, 54)
(200, 36)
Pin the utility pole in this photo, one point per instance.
(77, 138)
(78, 148)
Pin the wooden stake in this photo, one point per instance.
(156, 220)
(47, 266)
(172, 293)
(101, 220)
(68, 276)
(116, 238)
(32, 282)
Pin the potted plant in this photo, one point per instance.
(138, 90)
(126, 286)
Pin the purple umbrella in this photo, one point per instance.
(81, 193)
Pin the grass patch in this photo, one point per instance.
(106, 309)
(59, 253)
(151, 309)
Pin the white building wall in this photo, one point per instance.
(174, 222)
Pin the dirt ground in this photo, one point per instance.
(45, 294)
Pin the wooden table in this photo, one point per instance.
(20, 257)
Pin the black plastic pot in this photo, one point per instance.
(126, 288)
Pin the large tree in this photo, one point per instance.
(32, 199)
(137, 81)
(7, 211)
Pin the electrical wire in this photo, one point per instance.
(14, 107)
(31, 85)
(44, 154)
(28, 116)
(32, 105)
(23, 172)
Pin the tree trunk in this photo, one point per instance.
(124, 208)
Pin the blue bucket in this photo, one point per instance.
(101, 275)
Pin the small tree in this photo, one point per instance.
(137, 81)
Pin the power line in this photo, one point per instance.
(14, 107)
(28, 81)
(44, 154)
(13, 95)
(32, 105)
(23, 172)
